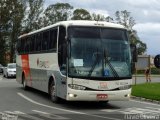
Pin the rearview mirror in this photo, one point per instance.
(133, 52)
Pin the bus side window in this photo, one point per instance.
(62, 48)
(32, 43)
(38, 42)
(53, 39)
(26, 45)
(45, 41)
(19, 46)
(22, 45)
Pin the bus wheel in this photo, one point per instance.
(24, 83)
(52, 90)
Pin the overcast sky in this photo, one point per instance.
(145, 12)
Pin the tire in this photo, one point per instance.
(25, 87)
(52, 92)
(7, 75)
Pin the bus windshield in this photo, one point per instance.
(96, 52)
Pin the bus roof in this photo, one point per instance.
(77, 23)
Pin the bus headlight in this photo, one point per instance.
(76, 87)
(125, 87)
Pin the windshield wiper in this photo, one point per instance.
(94, 64)
(109, 64)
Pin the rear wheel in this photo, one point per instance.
(24, 83)
(52, 92)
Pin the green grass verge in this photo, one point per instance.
(147, 90)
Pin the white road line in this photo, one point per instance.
(40, 104)
(32, 101)
(134, 110)
(148, 110)
(29, 117)
(1, 79)
(157, 109)
(37, 111)
(9, 112)
(145, 102)
(19, 113)
(48, 115)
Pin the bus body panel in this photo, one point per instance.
(41, 68)
(92, 95)
(97, 87)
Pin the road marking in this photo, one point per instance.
(8, 115)
(19, 112)
(32, 101)
(49, 116)
(145, 102)
(37, 111)
(1, 79)
(134, 110)
(9, 112)
(154, 108)
(40, 104)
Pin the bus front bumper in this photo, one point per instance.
(80, 95)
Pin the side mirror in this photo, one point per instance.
(133, 52)
(157, 61)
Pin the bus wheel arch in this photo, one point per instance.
(52, 90)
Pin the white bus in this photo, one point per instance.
(76, 61)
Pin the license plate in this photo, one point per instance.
(102, 96)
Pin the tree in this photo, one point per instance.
(81, 14)
(11, 16)
(109, 19)
(33, 13)
(16, 8)
(97, 17)
(134, 39)
(124, 18)
(3, 28)
(57, 12)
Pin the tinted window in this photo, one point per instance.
(38, 41)
(45, 40)
(32, 43)
(19, 46)
(26, 45)
(80, 32)
(62, 50)
(53, 39)
(113, 34)
(22, 45)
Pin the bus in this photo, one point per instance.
(77, 61)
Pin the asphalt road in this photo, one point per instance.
(35, 105)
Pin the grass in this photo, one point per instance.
(147, 90)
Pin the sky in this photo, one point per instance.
(145, 12)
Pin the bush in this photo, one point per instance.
(155, 70)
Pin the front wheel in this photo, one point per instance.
(52, 92)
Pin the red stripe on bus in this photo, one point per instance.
(26, 68)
